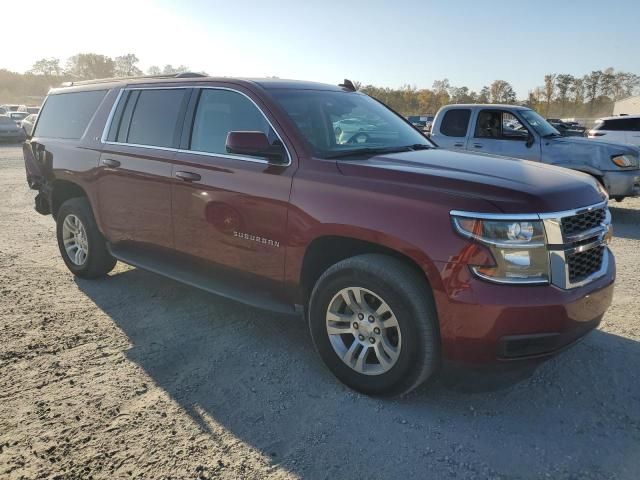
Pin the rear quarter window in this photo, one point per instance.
(616, 124)
(67, 115)
(455, 122)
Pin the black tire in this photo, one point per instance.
(410, 298)
(98, 260)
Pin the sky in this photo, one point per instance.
(384, 43)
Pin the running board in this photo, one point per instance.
(223, 282)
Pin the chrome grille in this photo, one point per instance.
(581, 265)
(583, 222)
(577, 244)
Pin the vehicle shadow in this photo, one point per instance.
(625, 222)
(257, 374)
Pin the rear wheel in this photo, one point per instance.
(373, 322)
(82, 246)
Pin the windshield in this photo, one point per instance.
(538, 123)
(337, 123)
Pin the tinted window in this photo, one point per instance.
(220, 112)
(618, 124)
(67, 115)
(155, 117)
(455, 122)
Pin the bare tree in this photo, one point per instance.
(549, 89)
(154, 70)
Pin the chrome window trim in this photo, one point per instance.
(107, 126)
(262, 160)
(557, 245)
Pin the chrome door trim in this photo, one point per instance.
(262, 160)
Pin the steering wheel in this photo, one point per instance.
(359, 137)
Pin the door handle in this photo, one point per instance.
(477, 145)
(110, 162)
(458, 144)
(188, 176)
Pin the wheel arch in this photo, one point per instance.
(327, 250)
(63, 190)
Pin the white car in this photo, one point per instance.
(622, 129)
(347, 128)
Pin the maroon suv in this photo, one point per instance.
(302, 197)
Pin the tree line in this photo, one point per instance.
(559, 95)
(32, 86)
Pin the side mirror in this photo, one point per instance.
(254, 144)
(530, 140)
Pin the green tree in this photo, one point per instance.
(564, 82)
(88, 66)
(125, 66)
(501, 91)
(47, 67)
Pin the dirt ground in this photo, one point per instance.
(136, 376)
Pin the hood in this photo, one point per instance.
(576, 151)
(512, 185)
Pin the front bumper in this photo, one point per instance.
(484, 323)
(622, 183)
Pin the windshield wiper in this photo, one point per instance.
(378, 150)
(366, 151)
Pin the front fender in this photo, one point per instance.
(589, 156)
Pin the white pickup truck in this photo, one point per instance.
(519, 132)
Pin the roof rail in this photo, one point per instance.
(139, 77)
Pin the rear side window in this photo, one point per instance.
(149, 117)
(220, 112)
(619, 124)
(455, 122)
(155, 117)
(67, 115)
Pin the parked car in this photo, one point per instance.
(24, 108)
(566, 129)
(400, 254)
(17, 117)
(482, 128)
(9, 131)
(624, 129)
(3, 111)
(10, 107)
(28, 123)
(422, 122)
(347, 128)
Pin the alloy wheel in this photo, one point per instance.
(363, 331)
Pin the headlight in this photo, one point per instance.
(518, 247)
(625, 161)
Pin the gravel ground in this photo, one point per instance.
(136, 376)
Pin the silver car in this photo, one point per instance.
(10, 131)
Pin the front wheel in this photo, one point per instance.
(82, 246)
(373, 322)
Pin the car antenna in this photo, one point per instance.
(348, 84)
